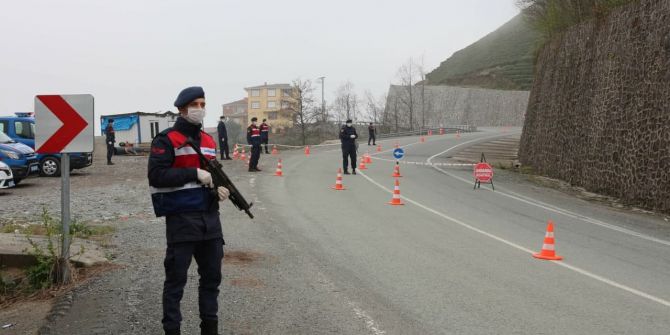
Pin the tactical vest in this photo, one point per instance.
(191, 197)
(255, 132)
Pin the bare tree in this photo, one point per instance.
(374, 106)
(346, 101)
(303, 105)
(408, 75)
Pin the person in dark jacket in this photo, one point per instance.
(110, 139)
(348, 138)
(372, 134)
(223, 139)
(183, 191)
(254, 139)
(265, 135)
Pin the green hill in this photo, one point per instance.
(501, 60)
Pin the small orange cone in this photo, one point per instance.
(279, 172)
(548, 248)
(395, 201)
(396, 171)
(274, 150)
(430, 132)
(423, 139)
(362, 166)
(368, 159)
(243, 155)
(338, 182)
(379, 148)
(307, 150)
(236, 152)
(441, 131)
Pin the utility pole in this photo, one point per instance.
(323, 101)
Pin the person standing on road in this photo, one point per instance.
(183, 191)
(348, 138)
(110, 139)
(372, 134)
(265, 135)
(254, 139)
(223, 139)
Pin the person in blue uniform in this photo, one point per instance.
(348, 138)
(223, 139)
(254, 139)
(183, 192)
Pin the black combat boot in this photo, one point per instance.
(172, 331)
(209, 327)
(353, 171)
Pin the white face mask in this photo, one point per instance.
(348, 124)
(195, 115)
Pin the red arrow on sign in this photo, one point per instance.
(73, 124)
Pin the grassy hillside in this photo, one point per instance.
(501, 60)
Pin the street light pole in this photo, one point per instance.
(323, 101)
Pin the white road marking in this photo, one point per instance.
(524, 249)
(551, 208)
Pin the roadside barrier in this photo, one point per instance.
(548, 247)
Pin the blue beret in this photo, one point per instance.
(187, 95)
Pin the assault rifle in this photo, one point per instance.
(220, 178)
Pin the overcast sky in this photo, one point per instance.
(136, 55)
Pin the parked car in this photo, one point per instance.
(6, 176)
(21, 159)
(21, 128)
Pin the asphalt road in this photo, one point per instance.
(451, 261)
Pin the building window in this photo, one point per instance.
(241, 110)
(286, 92)
(285, 105)
(272, 92)
(255, 105)
(272, 116)
(272, 104)
(255, 93)
(154, 128)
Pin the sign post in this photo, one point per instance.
(64, 124)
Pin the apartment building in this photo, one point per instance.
(273, 102)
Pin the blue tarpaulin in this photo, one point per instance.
(120, 122)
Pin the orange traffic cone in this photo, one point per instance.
(368, 159)
(243, 155)
(338, 182)
(548, 248)
(362, 166)
(423, 139)
(307, 150)
(430, 132)
(395, 201)
(236, 152)
(279, 172)
(441, 131)
(379, 148)
(274, 150)
(396, 171)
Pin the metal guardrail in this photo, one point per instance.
(436, 131)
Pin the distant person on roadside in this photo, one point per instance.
(348, 138)
(223, 139)
(110, 139)
(265, 135)
(183, 192)
(372, 134)
(254, 139)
